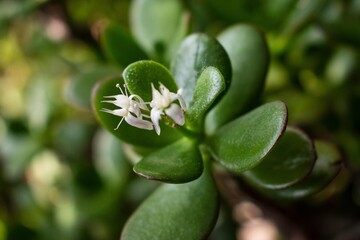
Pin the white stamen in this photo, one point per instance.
(129, 106)
(162, 103)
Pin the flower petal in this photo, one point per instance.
(155, 115)
(138, 122)
(140, 102)
(118, 112)
(176, 113)
(178, 96)
(157, 98)
(182, 102)
(120, 100)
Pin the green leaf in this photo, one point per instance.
(17, 152)
(176, 211)
(179, 162)
(139, 76)
(14, 9)
(119, 46)
(80, 88)
(197, 52)
(346, 30)
(243, 143)
(126, 132)
(159, 26)
(210, 84)
(238, 10)
(109, 159)
(327, 166)
(249, 56)
(291, 160)
(302, 14)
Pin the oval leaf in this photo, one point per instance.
(109, 159)
(347, 31)
(291, 159)
(179, 162)
(210, 84)
(243, 143)
(327, 166)
(139, 76)
(126, 132)
(180, 211)
(302, 14)
(80, 88)
(158, 25)
(119, 46)
(249, 56)
(197, 52)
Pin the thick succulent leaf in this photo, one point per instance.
(120, 47)
(210, 84)
(176, 211)
(243, 143)
(126, 132)
(158, 25)
(10, 10)
(197, 52)
(179, 162)
(79, 89)
(17, 152)
(109, 159)
(139, 76)
(347, 31)
(302, 14)
(291, 159)
(275, 11)
(249, 56)
(327, 166)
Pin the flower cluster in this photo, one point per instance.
(132, 108)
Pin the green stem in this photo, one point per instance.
(188, 133)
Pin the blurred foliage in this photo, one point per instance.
(63, 177)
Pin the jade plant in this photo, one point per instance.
(202, 114)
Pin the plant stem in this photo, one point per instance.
(239, 200)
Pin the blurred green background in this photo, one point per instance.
(63, 177)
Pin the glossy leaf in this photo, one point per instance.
(237, 10)
(347, 31)
(327, 166)
(197, 52)
(275, 12)
(291, 159)
(12, 9)
(17, 152)
(249, 56)
(180, 211)
(109, 159)
(158, 25)
(139, 76)
(126, 132)
(210, 84)
(302, 14)
(119, 46)
(80, 88)
(179, 162)
(243, 143)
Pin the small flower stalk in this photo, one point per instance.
(131, 108)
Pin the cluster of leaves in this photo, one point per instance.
(51, 184)
(222, 79)
(308, 61)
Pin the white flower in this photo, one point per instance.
(130, 109)
(163, 103)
